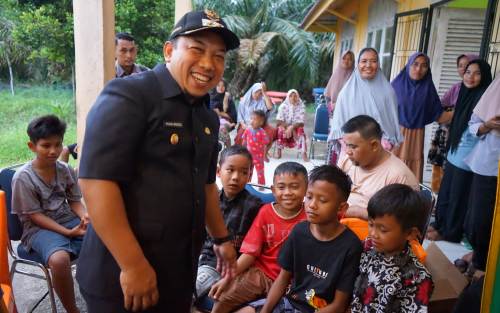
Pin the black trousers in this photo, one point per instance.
(453, 202)
(480, 216)
(115, 305)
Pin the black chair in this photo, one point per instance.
(23, 256)
(427, 194)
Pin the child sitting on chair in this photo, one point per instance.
(238, 207)
(46, 196)
(257, 267)
(321, 256)
(391, 278)
(256, 140)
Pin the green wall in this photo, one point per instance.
(468, 4)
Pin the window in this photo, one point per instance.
(345, 45)
(381, 40)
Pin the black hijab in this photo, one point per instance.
(467, 100)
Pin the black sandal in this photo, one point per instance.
(461, 265)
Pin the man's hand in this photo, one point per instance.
(78, 230)
(139, 287)
(226, 259)
(218, 288)
(85, 219)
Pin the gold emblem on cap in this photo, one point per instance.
(207, 130)
(174, 139)
(212, 14)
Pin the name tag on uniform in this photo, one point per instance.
(174, 124)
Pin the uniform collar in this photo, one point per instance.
(169, 86)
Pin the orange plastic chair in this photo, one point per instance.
(5, 284)
(360, 228)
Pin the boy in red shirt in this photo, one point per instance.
(258, 267)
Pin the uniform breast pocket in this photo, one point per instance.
(207, 141)
(170, 141)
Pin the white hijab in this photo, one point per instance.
(248, 104)
(375, 98)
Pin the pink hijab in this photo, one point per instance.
(339, 77)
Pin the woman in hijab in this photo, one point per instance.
(367, 92)
(437, 152)
(455, 188)
(290, 122)
(255, 99)
(483, 161)
(418, 105)
(222, 103)
(340, 75)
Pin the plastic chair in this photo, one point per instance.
(266, 197)
(320, 129)
(7, 302)
(428, 195)
(22, 256)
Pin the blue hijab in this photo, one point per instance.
(418, 101)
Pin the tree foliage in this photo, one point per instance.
(273, 47)
(150, 22)
(44, 29)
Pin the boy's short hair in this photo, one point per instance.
(235, 150)
(366, 125)
(46, 126)
(333, 175)
(292, 168)
(259, 113)
(402, 202)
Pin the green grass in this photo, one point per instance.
(17, 111)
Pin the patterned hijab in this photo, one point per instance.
(467, 100)
(339, 77)
(418, 101)
(374, 97)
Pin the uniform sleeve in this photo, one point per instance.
(115, 127)
(350, 269)
(212, 169)
(285, 258)
(254, 240)
(25, 199)
(73, 192)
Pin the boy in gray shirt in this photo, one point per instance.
(47, 199)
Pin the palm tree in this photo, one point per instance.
(273, 48)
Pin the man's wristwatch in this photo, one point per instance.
(221, 240)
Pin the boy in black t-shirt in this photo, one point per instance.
(239, 209)
(321, 256)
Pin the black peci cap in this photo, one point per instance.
(196, 21)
